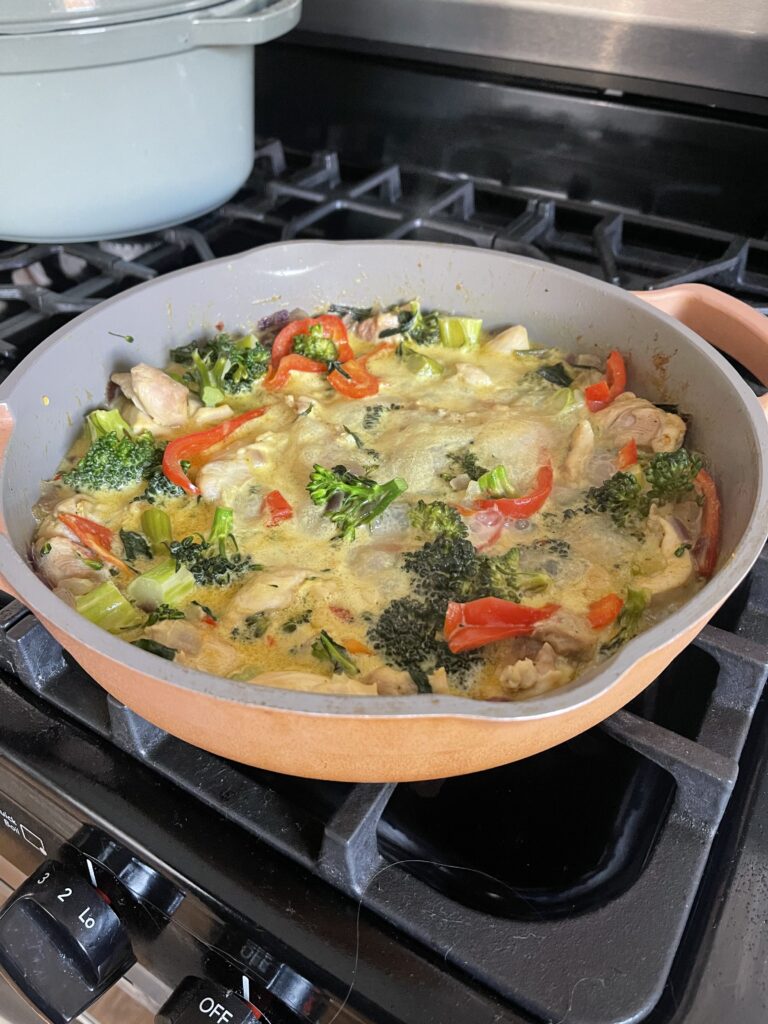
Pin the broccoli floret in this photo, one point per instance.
(253, 628)
(113, 463)
(208, 567)
(325, 648)
(441, 570)
(628, 622)
(408, 633)
(159, 487)
(449, 569)
(421, 328)
(351, 501)
(183, 353)
(101, 422)
(221, 530)
(315, 345)
(463, 462)
(501, 576)
(223, 365)
(671, 475)
(621, 497)
(437, 518)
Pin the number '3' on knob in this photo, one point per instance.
(61, 945)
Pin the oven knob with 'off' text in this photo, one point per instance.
(197, 1001)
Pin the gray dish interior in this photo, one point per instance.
(66, 376)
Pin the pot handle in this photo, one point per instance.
(727, 323)
(7, 424)
(231, 24)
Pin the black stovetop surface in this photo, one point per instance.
(621, 876)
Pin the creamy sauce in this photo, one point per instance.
(491, 404)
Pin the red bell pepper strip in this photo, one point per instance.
(604, 611)
(94, 536)
(351, 378)
(358, 382)
(187, 447)
(527, 504)
(333, 328)
(707, 547)
(476, 623)
(628, 454)
(278, 507)
(600, 395)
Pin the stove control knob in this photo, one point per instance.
(197, 1001)
(60, 943)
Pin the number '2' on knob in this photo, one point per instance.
(61, 945)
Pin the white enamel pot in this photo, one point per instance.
(124, 116)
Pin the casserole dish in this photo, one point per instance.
(383, 738)
(126, 118)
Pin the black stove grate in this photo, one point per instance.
(296, 195)
(612, 920)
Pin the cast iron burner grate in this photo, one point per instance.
(573, 903)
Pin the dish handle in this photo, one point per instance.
(7, 424)
(244, 23)
(727, 323)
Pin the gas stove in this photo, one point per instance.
(619, 877)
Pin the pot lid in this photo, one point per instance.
(26, 16)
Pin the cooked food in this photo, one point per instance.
(379, 501)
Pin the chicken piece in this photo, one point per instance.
(265, 592)
(203, 416)
(215, 655)
(466, 373)
(568, 633)
(310, 682)
(64, 560)
(299, 403)
(438, 680)
(155, 394)
(370, 329)
(69, 590)
(219, 479)
(629, 417)
(179, 634)
(391, 682)
(580, 449)
(543, 671)
(513, 339)
(679, 565)
(52, 526)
